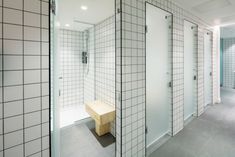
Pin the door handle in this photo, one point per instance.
(170, 84)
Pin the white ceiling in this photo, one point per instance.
(228, 32)
(215, 12)
(70, 10)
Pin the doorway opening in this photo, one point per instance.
(83, 78)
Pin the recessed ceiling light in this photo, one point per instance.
(83, 7)
(67, 25)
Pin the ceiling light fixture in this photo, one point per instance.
(83, 7)
(67, 25)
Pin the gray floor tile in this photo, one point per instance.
(210, 135)
(78, 141)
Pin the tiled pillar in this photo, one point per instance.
(25, 78)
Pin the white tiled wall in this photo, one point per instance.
(24, 100)
(71, 68)
(89, 68)
(130, 45)
(228, 50)
(105, 62)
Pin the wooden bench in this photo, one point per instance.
(103, 114)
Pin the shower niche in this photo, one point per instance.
(83, 78)
(77, 71)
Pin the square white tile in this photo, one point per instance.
(45, 75)
(13, 78)
(45, 89)
(45, 102)
(45, 8)
(15, 151)
(45, 62)
(32, 147)
(13, 62)
(45, 129)
(45, 142)
(32, 133)
(13, 93)
(13, 108)
(13, 139)
(13, 124)
(45, 48)
(45, 21)
(32, 119)
(12, 32)
(14, 4)
(31, 62)
(31, 19)
(31, 33)
(31, 48)
(12, 16)
(32, 76)
(45, 116)
(32, 90)
(31, 105)
(13, 47)
(32, 5)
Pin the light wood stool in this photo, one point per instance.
(103, 114)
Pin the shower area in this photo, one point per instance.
(87, 71)
(77, 73)
(83, 78)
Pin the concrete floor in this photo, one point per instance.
(210, 135)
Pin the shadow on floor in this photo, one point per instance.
(210, 135)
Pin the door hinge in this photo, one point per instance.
(210, 73)
(59, 92)
(146, 130)
(146, 29)
(118, 10)
(53, 7)
(195, 77)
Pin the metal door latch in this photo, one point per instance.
(169, 84)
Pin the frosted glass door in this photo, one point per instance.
(207, 68)
(189, 69)
(157, 74)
